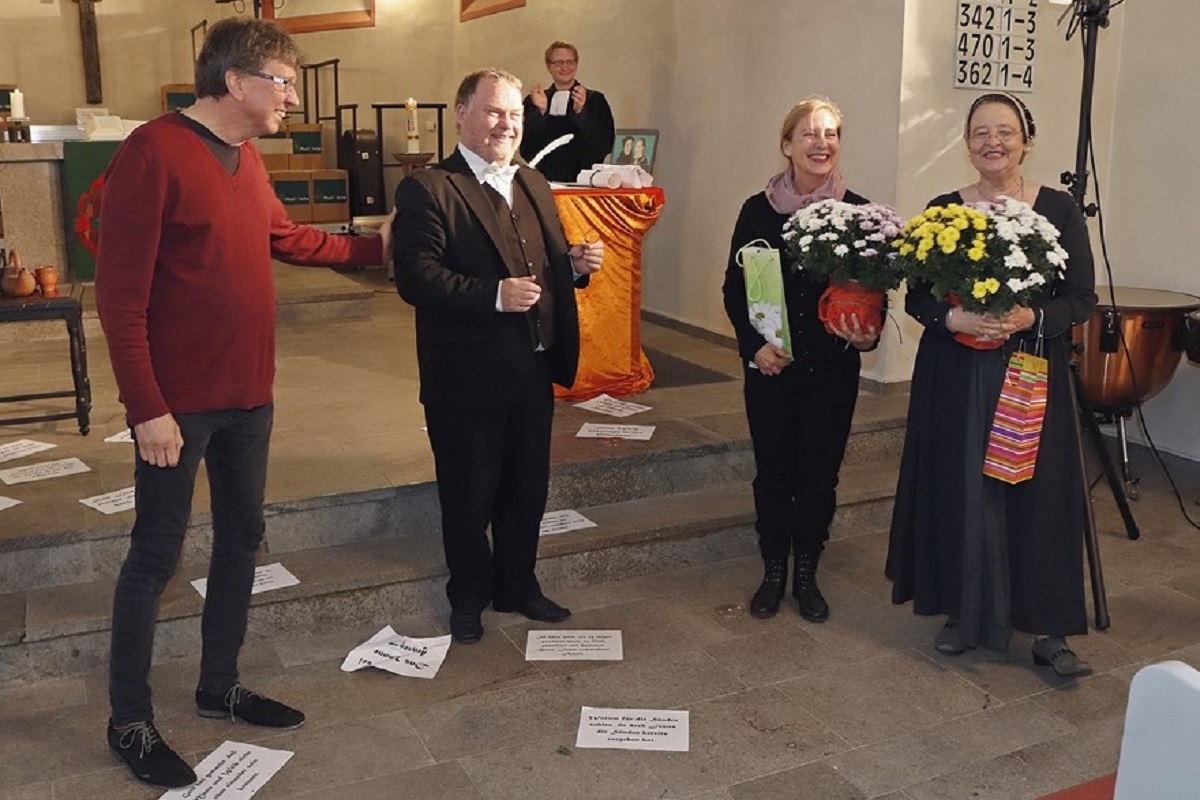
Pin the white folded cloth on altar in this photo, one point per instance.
(615, 176)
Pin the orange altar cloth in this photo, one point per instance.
(610, 308)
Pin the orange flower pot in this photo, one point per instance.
(848, 298)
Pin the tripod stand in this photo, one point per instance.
(1093, 15)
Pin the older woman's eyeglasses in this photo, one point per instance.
(281, 84)
(982, 135)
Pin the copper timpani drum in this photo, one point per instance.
(1119, 371)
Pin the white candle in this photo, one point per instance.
(413, 135)
(16, 102)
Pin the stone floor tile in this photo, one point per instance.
(1154, 620)
(942, 749)
(445, 781)
(25, 701)
(740, 737)
(480, 722)
(816, 780)
(1088, 753)
(1005, 777)
(1095, 700)
(670, 680)
(543, 768)
(774, 655)
(36, 791)
(45, 746)
(869, 701)
(346, 753)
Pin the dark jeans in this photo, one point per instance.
(799, 423)
(234, 447)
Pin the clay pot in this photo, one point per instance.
(17, 281)
(47, 280)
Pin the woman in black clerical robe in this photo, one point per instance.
(990, 556)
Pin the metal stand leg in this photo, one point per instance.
(1088, 418)
(1092, 545)
(1133, 489)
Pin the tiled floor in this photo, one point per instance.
(859, 707)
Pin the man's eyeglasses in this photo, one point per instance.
(281, 84)
(562, 62)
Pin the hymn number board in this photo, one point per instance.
(994, 45)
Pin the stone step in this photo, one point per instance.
(84, 546)
(63, 630)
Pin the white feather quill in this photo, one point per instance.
(550, 148)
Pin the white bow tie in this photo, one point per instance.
(497, 171)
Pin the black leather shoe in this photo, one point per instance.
(250, 707)
(812, 603)
(148, 756)
(1052, 651)
(539, 609)
(765, 602)
(466, 627)
(947, 641)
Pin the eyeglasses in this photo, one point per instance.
(562, 62)
(281, 84)
(982, 135)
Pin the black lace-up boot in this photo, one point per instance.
(765, 602)
(804, 588)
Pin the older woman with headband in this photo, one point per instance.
(994, 557)
(799, 405)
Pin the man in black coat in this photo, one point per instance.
(480, 252)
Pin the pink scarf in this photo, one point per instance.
(782, 196)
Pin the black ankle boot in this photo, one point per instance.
(812, 604)
(765, 602)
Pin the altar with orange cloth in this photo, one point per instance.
(611, 360)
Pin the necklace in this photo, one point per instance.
(1020, 194)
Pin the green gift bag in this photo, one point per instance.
(764, 293)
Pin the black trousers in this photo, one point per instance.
(234, 446)
(799, 423)
(493, 467)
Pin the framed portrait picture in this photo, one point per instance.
(635, 146)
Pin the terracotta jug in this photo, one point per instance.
(47, 280)
(16, 280)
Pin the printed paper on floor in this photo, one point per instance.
(22, 448)
(234, 771)
(574, 646)
(8, 502)
(562, 521)
(592, 430)
(266, 578)
(633, 729)
(44, 470)
(402, 655)
(124, 436)
(111, 502)
(604, 404)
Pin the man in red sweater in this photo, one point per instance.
(189, 225)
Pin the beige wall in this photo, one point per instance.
(715, 77)
(1149, 187)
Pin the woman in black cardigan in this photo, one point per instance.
(800, 405)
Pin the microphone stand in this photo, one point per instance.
(1093, 15)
